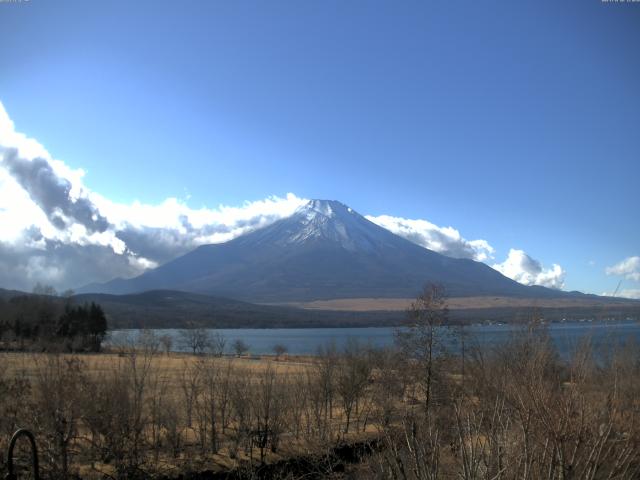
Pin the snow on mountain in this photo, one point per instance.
(324, 250)
(328, 221)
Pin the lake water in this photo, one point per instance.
(306, 341)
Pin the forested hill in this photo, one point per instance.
(175, 309)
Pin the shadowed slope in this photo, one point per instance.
(325, 250)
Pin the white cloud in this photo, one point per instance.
(522, 268)
(628, 268)
(445, 240)
(55, 230)
(633, 293)
(630, 293)
(50, 220)
(17, 210)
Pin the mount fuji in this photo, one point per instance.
(325, 250)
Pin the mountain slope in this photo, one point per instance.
(324, 250)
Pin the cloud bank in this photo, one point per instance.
(522, 268)
(56, 231)
(518, 265)
(445, 240)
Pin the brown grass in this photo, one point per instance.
(454, 303)
(168, 369)
(170, 365)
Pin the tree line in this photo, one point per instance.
(44, 320)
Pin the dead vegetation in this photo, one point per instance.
(145, 413)
(513, 412)
(516, 411)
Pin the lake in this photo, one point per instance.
(306, 341)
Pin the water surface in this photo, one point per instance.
(306, 341)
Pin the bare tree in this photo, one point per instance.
(298, 403)
(207, 404)
(240, 402)
(57, 411)
(197, 340)
(117, 415)
(421, 337)
(240, 347)
(268, 408)
(157, 404)
(322, 388)
(190, 385)
(389, 385)
(354, 371)
(167, 342)
(217, 344)
(148, 341)
(279, 349)
(226, 378)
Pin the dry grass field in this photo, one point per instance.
(517, 411)
(170, 365)
(456, 303)
(148, 413)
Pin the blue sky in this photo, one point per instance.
(513, 122)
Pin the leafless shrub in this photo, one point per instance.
(268, 402)
(411, 450)
(15, 406)
(388, 386)
(207, 404)
(353, 375)
(56, 408)
(240, 402)
(117, 413)
(189, 383)
(321, 383)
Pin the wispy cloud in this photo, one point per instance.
(628, 268)
(522, 268)
(633, 293)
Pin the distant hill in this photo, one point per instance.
(325, 250)
(8, 294)
(175, 309)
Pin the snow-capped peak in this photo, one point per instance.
(328, 220)
(327, 208)
(321, 206)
